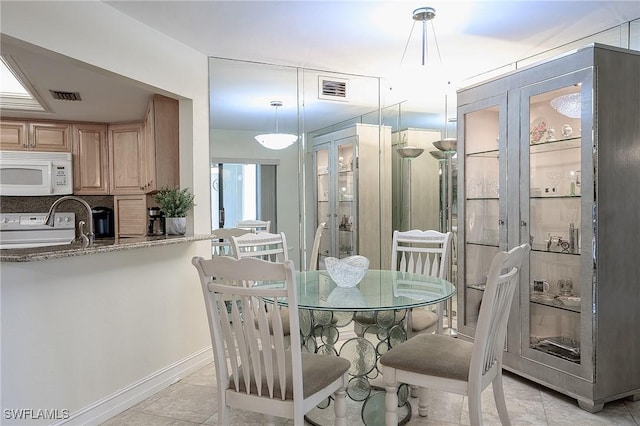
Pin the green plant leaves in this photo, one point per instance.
(175, 202)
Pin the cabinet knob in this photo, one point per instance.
(523, 223)
(500, 221)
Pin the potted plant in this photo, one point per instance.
(175, 203)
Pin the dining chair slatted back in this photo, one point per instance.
(255, 370)
(435, 361)
(263, 245)
(313, 258)
(221, 240)
(427, 253)
(255, 226)
(494, 312)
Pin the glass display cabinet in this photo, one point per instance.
(352, 191)
(548, 153)
(337, 202)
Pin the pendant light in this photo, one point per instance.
(276, 140)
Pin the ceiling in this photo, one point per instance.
(354, 37)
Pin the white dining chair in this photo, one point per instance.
(427, 253)
(255, 371)
(255, 225)
(221, 240)
(419, 252)
(264, 245)
(313, 258)
(437, 361)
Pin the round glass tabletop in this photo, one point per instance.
(379, 290)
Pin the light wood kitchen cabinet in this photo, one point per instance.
(90, 159)
(13, 135)
(161, 144)
(35, 136)
(131, 215)
(548, 156)
(126, 154)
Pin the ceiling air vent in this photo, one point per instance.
(333, 89)
(65, 96)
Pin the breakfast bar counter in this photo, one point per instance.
(100, 246)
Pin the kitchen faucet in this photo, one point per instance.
(87, 239)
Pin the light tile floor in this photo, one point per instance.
(192, 401)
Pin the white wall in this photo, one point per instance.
(76, 332)
(241, 145)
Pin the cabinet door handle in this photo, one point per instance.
(500, 221)
(523, 223)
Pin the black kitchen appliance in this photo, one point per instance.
(156, 221)
(103, 222)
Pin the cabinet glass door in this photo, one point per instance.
(336, 197)
(346, 198)
(557, 162)
(323, 204)
(483, 179)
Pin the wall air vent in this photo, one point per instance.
(333, 89)
(65, 96)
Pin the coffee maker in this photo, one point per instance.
(156, 221)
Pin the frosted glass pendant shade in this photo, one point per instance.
(276, 140)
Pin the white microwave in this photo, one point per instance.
(35, 173)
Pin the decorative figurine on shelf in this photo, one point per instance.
(559, 242)
(567, 131)
(551, 135)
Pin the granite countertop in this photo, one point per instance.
(100, 246)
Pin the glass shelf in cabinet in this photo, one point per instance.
(561, 347)
(554, 250)
(345, 171)
(482, 198)
(540, 197)
(556, 304)
(483, 243)
(494, 153)
(557, 145)
(479, 287)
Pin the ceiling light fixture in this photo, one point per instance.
(424, 15)
(568, 105)
(276, 140)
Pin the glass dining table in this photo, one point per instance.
(377, 307)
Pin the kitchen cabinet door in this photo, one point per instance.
(161, 144)
(53, 137)
(131, 215)
(90, 159)
(17, 135)
(126, 154)
(13, 136)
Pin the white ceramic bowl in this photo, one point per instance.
(347, 272)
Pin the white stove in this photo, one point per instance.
(26, 230)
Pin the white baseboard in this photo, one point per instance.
(114, 404)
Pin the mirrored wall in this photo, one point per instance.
(344, 172)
